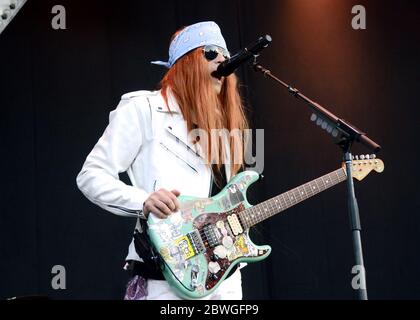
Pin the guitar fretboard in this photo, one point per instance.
(269, 208)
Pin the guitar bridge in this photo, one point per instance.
(196, 241)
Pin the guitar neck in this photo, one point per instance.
(271, 207)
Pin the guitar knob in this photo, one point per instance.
(220, 252)
(227, 242)
(367, 157)
(373, 156)
(214, 267)
(362, 157)
(357, 157)
(214, 276)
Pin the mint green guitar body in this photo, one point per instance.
(200, 244)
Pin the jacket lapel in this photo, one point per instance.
(177, 127)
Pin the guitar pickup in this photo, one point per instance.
(196, 241)
(235, 224)
(212, 235)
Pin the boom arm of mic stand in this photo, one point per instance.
(347, 129)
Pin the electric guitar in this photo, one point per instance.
(201, 243)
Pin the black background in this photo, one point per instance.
(57, 88)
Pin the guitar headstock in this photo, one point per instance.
(364, 164)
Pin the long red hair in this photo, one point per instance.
(191, 84)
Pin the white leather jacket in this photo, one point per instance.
(151, 144)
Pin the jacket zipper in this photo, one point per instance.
(176, 155)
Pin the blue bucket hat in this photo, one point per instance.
(192, 37)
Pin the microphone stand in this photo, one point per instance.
(347, 134)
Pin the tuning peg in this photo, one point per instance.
(362, 157)
(367, 157)
(373, 156)
(357, 157)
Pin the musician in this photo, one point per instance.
(151, 136)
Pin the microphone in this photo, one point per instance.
(227, 67)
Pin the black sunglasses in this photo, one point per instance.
(211, 52)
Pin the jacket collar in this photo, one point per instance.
(172, 105)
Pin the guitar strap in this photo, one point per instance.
(150, 268)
